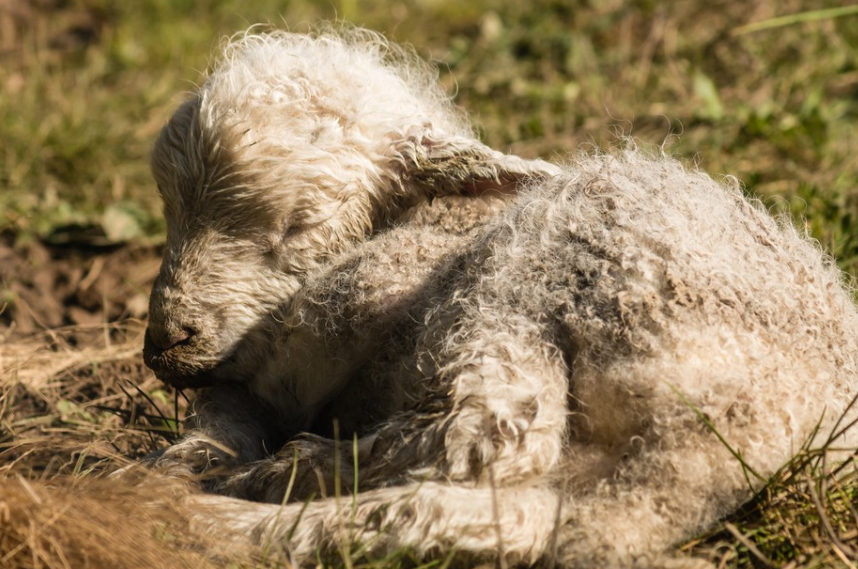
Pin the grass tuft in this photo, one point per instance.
(804, 517)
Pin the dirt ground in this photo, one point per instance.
(75, 395)
(51, 286)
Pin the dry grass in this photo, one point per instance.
(70, 414)
(84, 409)
(68, 511)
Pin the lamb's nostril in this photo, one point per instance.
(167, 340)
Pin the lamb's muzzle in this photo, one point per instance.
(172, 345)
(156, 356)
(162, 354)
(164, 341)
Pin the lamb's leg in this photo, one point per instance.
(627, 520)
(227, 427)
(509, 394)
(409, 445)
(515, 524)
(307, 467)
(503, 421)
(623, 505)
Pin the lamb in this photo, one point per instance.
(536, 363)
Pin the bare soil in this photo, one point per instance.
(74, 393)
(52, 286)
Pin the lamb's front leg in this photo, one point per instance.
(307, 467)
(408, 446)
(226, 427)
(498, 423)
(509, 397)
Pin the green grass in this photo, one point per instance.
(84, 90)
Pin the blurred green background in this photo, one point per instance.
(85, 86)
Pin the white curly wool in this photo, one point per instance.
(565, 378)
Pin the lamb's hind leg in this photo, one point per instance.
(666, 487)
(653, 499)
(515, 523)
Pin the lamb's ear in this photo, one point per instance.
(438, 166)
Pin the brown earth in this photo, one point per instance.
(74, 393)
(46, 287)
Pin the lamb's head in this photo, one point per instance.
(295, 148)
